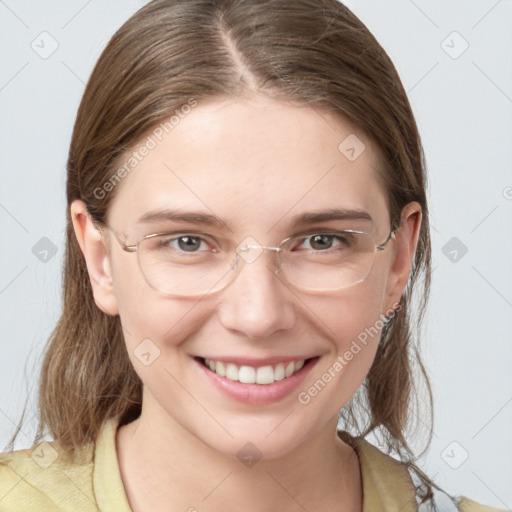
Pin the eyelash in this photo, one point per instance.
(174, 236)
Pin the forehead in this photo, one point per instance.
(254, 163)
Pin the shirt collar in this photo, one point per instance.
(107, 483)
(387, 484)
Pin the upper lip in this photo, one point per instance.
(258, 362)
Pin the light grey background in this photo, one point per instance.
(462, 99)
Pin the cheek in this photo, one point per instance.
(352, 321)
(154, 327)
(146, 314)
(351, 312)
(362, 317)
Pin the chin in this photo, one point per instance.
(257, 440)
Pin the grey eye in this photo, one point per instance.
(321, 241)
(189, 243)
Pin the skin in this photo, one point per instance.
(255, 163)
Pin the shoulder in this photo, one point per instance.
(388, 484)
(47, 477)
(466, 505)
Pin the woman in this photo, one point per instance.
(247, 222)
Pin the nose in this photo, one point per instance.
(257, 303)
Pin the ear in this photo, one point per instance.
(406, 241)
(95, 252)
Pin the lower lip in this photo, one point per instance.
(260, 394)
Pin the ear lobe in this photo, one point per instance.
(92, 244)
(406, 241)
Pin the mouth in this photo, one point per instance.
(263, 375)
(257, 383)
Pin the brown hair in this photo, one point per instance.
(313, 52)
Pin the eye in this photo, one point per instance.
(185, 242)
(189, 243)
(324, 241)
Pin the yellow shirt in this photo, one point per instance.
(47, 479)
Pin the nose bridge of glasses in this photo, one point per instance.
(260, 248)
(250, 250)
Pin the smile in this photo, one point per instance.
(256, 382)
(251, 375)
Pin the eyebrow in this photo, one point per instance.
(331, 214)
(176, 215)
(206, 219)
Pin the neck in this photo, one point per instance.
(166, 468)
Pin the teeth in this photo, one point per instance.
(279, 372)
(220, 369)
(247, 375)
(265, 375)
(250, 375)
(231, 371)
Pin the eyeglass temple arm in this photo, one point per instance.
(127, 248)
(391, 236)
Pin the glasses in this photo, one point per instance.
(193, 263)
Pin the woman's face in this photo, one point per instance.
(256, 165)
